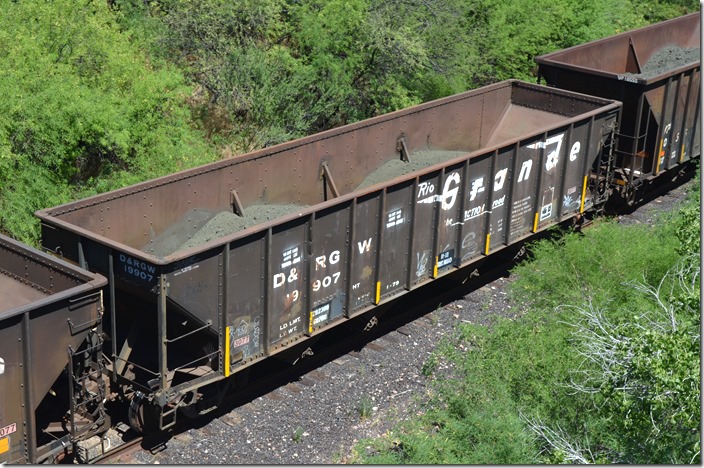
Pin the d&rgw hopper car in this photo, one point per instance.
(469, 174)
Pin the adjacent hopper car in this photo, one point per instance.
(656, 73)
(216, 268)
(51, 377)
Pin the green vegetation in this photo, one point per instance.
(365, 408)
(604, 368)
(101, 94)
(83, 110)
(298, 435)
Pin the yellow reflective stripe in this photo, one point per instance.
(682, 153)
(310, 322)
(535, 223)
(584, 194)
(227, 351)
(661, 153)
(435, 268)
(4, 445)
(488, 242)
(378, 292)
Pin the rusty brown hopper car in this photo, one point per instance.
(218, 267)
(51, 385)
(655, 72)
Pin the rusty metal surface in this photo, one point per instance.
(47, 307)
(23, 268)
(660, 125)
(17, 293)
(624, 53)
(26, 277)
(519, 158)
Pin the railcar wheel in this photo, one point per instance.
(630, 195)
(142, 415)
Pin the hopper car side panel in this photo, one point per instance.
(521, 158)
(528, 191)
(12, 397)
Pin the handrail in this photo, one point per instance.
(207, 324)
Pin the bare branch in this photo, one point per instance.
(557, 440)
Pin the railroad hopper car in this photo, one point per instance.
(219, 267)
(655, 72)
(51, 382)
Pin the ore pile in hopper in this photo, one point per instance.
(666, 59)
(397, 167)
(220, 224)
(225, 223)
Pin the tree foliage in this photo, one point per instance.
(273, 70)
(83, 110)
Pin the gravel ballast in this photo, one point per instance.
(318, 419)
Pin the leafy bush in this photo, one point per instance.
(593, 266)
(641, 363)
(687, 224)
(276, 70)
(83, 110)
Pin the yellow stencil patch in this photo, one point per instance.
(4, 445)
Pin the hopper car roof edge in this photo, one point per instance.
(547, 60)
(615, 36)
(49, 219)
(551, 58)
(90, 281)
(53, 298)
(52, 261)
